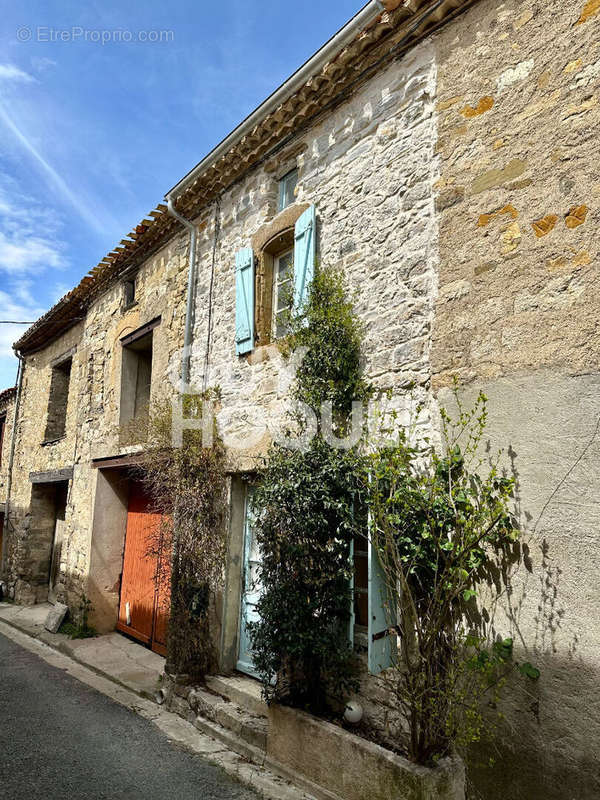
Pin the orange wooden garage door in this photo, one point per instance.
(144, 605)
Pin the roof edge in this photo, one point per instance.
(361, 20)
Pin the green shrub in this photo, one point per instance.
(304, 526)
(304, 504)
(443, 529)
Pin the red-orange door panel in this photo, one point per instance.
(163, 606)
(139, 608)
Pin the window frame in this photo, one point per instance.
(288, 282)
(132, 346)
(129, 292)
(54, 433)
(287, 198)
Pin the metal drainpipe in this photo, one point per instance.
(191, 294)
(11, 459)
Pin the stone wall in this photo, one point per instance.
(7, 409)
(369, 168)
(92, 420)
(517, 316)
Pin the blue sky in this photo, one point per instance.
(92, 135)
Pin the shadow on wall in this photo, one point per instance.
(545, 744)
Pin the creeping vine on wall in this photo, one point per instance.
(304, 518)
(189, 489)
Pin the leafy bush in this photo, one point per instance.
(442, 530)
(305, 524)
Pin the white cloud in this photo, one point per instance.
(42, 64)
(29, 234)
(9, 72)
(32, 257)
(13, 309)
(25, 254)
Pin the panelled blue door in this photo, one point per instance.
(251, 591)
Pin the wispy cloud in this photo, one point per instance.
(32, 256)
(24, 254)
(10, 72)
(9, 75)
(11, 308)
(54, 178)
(41, 64)
(29, 234)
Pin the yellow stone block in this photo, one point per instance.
(542, 227)
(511, 238)
(526, 17)
(576, 216)
(573, 66)
(485, 104)
(590, 9)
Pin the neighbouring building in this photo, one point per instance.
(91, 368)
(7, 412)
(443, 155)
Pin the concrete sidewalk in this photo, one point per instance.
(113, 656)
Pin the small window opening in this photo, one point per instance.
(2, 432)
(136, 379)
(283, 276)
(129, 292)
(58, 401)
(287, 189)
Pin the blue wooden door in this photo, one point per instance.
(251, 591)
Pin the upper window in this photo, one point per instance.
(287, 188)
(283, 279)
(129, 292)
(57, 403)
(281, 282)
(2, 430)
(136, 378)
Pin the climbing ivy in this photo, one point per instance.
(304, 517)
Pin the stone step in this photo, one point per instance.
(244, 692)
(246, 725)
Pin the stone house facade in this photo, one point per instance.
(446, 163)
(7, 413)
(79, 393)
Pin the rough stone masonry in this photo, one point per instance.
(458, 189)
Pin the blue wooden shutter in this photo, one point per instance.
(382, 616)
(305, 252)
(352, 621)
(244, 301)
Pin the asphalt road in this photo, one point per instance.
(61, 739)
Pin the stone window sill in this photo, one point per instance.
(48, 442)
(262, 352)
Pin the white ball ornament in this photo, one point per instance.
(353, 713)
